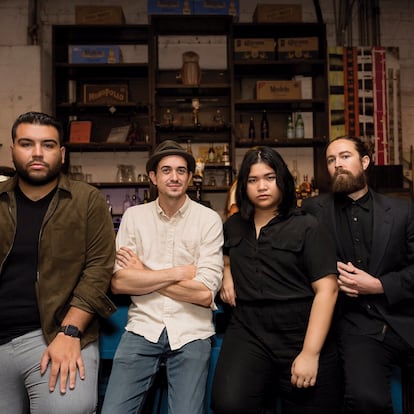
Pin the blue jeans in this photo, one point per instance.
(136, 364)
(23, 388)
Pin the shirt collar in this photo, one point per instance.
(365, 202)
(181, 211)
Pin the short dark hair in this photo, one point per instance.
(284, 180)
(38, 118)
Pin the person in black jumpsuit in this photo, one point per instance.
(281, 278)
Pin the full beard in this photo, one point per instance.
(38, 180)
(347, 183)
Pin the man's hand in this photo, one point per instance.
(126, 258)
(64, 356)
(354, 282)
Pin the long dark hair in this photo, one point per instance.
(284, 180)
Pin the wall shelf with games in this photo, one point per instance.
(197, 79)
(281, 68)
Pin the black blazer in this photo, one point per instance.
(392, 261)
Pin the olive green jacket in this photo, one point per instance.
(76, 253)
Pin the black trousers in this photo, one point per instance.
(255, 362)
(368, 363)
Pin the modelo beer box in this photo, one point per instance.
(263, 49)
(297, 48)
(278, 90)
(94, 54)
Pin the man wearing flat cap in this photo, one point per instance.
(169, 260)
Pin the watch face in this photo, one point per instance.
(71, 330)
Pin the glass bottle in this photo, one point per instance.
(168, 117)
(189, 149)
(109, 204)
(299, 127)
(211, 153)
(146, 197)
(252, 131)
(218, 118)
(305, 187)
(264, 126)
(295, 173)
(127, 203)
(226, 155)
(135, 199)
(290, 131)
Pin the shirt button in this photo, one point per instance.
(355, 218)
(369, 307)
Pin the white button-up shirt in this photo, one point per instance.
(192, 236)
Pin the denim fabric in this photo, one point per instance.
(23, 387)
(136, 364)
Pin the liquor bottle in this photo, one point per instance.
(290, 131)
(211, 153)
(252, 131)
(295, 173)
(168, 117)
(218, 118)
(146, 197)
(109, 204)
(305, 187)
(264, 126)
(189, 149)
(135, 199)
(226, 156)
(127, 203)
(299, 127)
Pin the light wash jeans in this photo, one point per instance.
(23, 388)
(136, 364)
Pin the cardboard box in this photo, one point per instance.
(216, 7)
(105, 94)
(263, 48)
(277, 13)
(94, 54)
(298, 48)
(169, 7)
(99, 15)
(278, 90)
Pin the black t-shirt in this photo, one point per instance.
(18, 305)
(289, 254)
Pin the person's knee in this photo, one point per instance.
(367, 401)
(228, 404)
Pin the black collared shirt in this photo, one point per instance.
(281, 263)
(354, 220)
(354, 225)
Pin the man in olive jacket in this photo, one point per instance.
(56, 258)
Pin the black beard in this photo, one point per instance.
(51, 175)
(347, 183)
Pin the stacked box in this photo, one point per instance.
(277, 13)
(297, 48)
(103, 94)
(99, 15)
(216, 7)
(278, 90)
(254, 49)
(169, 7)
(95, 54)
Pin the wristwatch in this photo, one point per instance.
(71, 330)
